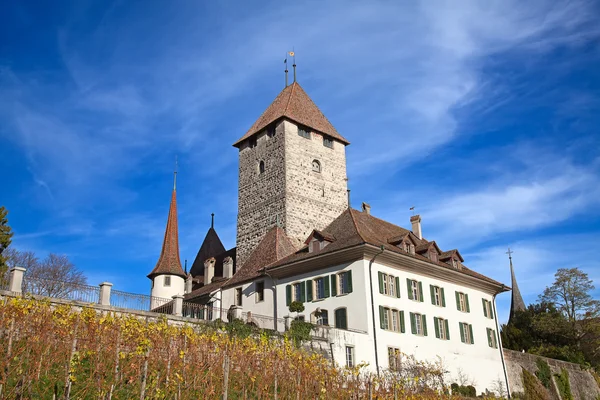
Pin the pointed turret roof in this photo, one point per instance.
(169, 262)
(294, 104)
(516, 303)
(211, 247)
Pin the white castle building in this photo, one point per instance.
(380, 288)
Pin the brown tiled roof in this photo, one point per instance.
(206, 289)
(211, 247)
(353, 228)
(293, 103)
(448, 254)
(169, 262)
(320, 234)
(274, 246)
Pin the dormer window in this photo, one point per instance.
(304, 132)
(433, 256)
(316, 166)
(327, 142)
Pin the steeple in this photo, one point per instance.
(517, 303)
(169, 262)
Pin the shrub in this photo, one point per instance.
(543, 373)
(296, 306)
(299, 331)
(534, 390)
(564, 387)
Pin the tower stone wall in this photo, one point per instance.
(289, 191)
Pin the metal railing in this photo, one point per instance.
(62, 290)
(204, 312)
(141, 302)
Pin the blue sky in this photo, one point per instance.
(483, 115)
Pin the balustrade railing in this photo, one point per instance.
(61, 290)
(140, 302)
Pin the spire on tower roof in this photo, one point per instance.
(516, 303)
(294, 104)
(169, 262)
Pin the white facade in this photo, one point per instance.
(478, 361)
(165, 287)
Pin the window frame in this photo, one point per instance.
(463, 302)
(335, 316)
(319, 320)
(350, 362)
(167, 281)
(414, 288)
(340, 281)
(328, 142)
(319, 168)
(492, 339)
(260, 294)
(304, 131)
(487, 309)
(297, 292)
(441, 326)
(238, 296)
(261, 167)
(395, 355)
(315, 283)
(466, 333)
(419, 331)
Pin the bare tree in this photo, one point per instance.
(54, 276)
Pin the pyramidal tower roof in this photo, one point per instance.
(294, 104)
(169, 262)
(211, 247)
(516, 303)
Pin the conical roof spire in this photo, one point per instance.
(169, 262)
(517, 303)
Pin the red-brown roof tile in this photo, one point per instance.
(169, 262)
(293, 103)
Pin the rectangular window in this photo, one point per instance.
(395, 321)
(322, 317)
(392, 286)
(415, 290)
(327, 142)
(298, 291)
(462, 302)
(260, 291)
(349, 356)
(418, 324)
(304, 132)
(389, 284)
(441, 328)
(167, 281)
(238, 296)
(437, 296)
(319, 288)
(341, 318)
(345, 282)
(271, 130)
(252, 142)
(386, 319)
(487, 309)
(394, 358)
(466, 333)
(386, 288)
(492, 341)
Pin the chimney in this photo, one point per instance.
(227, 267)
(415, 220)
(188, 284)
(209, 270)
(366, 208)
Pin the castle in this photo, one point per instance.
(382, 289)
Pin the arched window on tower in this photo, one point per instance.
(261, 167)
(316, 166)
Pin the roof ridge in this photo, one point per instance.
(356, 225)
(290, 98)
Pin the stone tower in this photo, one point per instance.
(292, 172)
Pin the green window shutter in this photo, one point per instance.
(333, 285)
(288, 295)
(413, 325)
(343, 318)
(489, 336)
(397, 287)
(484, 309)
(462, 332)
(432, 292)
(303, 292)
(471, 333)
(457, 301)
(447, 330)
(349, 281)
(326, 285)
(309, 290)
(380, 275)
(402, 325)
(443, 297)
(467, 302)
(421, 292)
(410, 293)
(437, 328)
(424, 320)
(381, 311)
(491, 310)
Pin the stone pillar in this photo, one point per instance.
(105, 288)
(178, 305)
(188, 284)
(227, 267)
(288, 321)
(16, 279)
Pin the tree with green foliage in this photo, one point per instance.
(5, 240)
